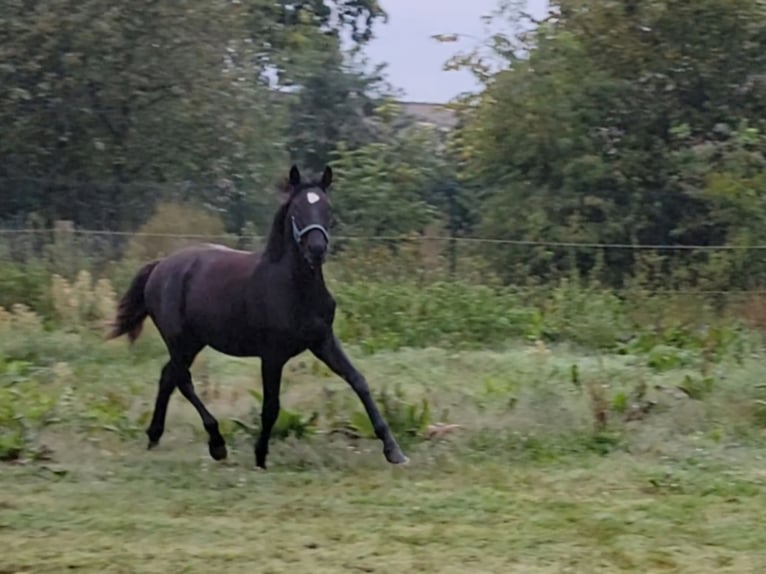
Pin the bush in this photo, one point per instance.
(26, 283)
(385, 315)
(25, 409)
(410, 308)
(586, 316)
(288, 423)
(83, 302)
(164, 232)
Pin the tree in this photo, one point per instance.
(107, 108)
(334, 103)
(282, 30)
(383, 187)
(94, 92)
(584, 136)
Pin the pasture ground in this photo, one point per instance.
(525, 486)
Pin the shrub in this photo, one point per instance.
(82, 303)
(407, 420)
(288, 423)
(586, 316)
(387, 315)
(164, 232)
(26, 283)
(25, 409)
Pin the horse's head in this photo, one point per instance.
(309, 215)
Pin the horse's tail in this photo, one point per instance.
(131, 310)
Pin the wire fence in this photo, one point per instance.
(523, 262)
(704, 270)
(423, 237)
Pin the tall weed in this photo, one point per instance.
(379, 312)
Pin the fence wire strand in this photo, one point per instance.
(520, 289)
(402, 238)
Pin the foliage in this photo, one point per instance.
(372, 197)
(172, 226)
(25, 409)
(624, 122)
(25, 281)
(402, 303)
(587, 316)
(288, 423)
(282, 29)
(386, 315)
(127, 94)
(529, 402)
(335, 102)
(620, 123)
(107, 109)
(83, 303)
(109, 412)
(408, 420)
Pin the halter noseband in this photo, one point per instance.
(298, 233)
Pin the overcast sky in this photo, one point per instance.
(414, 59)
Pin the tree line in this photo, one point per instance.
(612, 121)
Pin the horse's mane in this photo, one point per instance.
(275, 243)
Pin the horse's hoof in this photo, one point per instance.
(396, 456)
(218, 452)
(152, 444)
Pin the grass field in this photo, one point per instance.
(526, 485)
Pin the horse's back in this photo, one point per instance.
(217, 247)
(205, 280)
(202, 256)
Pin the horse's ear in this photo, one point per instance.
(295, 176)
(327, 178)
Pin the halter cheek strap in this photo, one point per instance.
(298, 233)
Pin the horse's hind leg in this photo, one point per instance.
(176, 373)
(167, 385)
(216, 444)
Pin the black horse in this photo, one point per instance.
(273, 305)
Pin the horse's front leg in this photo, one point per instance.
(271, 373)
(330, 352)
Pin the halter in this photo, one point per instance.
(298, 233)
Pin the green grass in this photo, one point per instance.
(526, 485)
(133, 512)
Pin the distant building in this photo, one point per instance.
(438, 115)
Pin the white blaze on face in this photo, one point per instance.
(312, 197)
